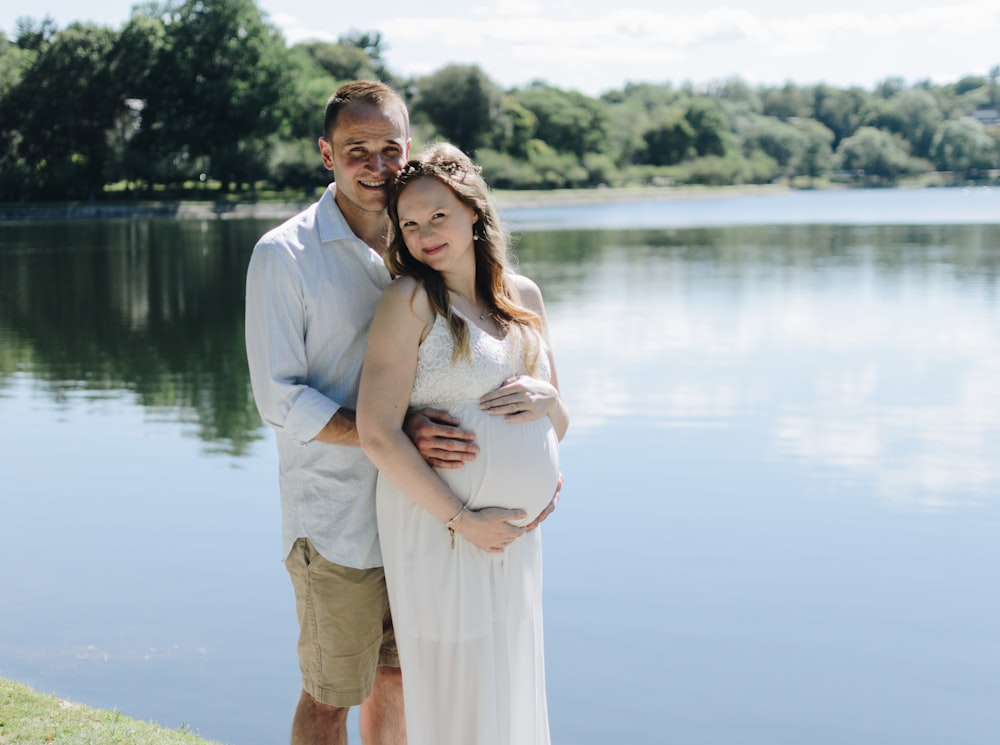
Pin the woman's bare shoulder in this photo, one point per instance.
(408, 292)
(526, 291)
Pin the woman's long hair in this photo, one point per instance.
(455, 169)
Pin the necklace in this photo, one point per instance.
(483, 314)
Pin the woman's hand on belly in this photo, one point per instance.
(520, 399)
(490, 528)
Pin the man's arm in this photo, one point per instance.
(275, 342)
(276, 353)
(436, 434)
(342, 429)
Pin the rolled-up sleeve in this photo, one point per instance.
(276, 350)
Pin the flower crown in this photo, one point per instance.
(448, 169)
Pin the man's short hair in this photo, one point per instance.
(362, 91)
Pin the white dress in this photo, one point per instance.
(469, 623)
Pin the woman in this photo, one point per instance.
(458, 331)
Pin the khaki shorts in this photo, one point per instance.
(345, 630)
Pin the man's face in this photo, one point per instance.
(368, 146)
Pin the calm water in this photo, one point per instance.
(782, 503)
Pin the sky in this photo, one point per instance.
(593, 46)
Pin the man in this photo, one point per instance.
(312, 287)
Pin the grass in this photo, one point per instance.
(31, 718)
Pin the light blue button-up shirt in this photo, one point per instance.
(312, 288)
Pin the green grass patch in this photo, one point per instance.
(31, 718)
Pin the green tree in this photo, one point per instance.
(503, 171)
(568, 121)
(13, 62)
(972, 98)
(16, 176)
(889, 88)
(970, 83)
(784, 143)
(212, 90)
(917, 118)
(816, 160)
(357, 55)
(634, 110)
(669, 142)
(514, 128)
(372, 44)
(341, 62)
(303, 104)
(63, 128)
(556, 170)
(963, 97)
(841, 111)
(129, 62)
(369, 42)
(33, 35)
(293, 157)
(964, 147)
(710, 125)
(874, 155)
(462, 104)
(721, 170)
(788, 102)
(735, 90)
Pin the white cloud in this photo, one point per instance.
(624, 30)
(580, 46)
(519, 8)
(964, 18)
(295, 30)
(818, 32)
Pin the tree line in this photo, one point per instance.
(205, 96)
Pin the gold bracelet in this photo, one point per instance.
(451, 523)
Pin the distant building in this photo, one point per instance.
(987, 117)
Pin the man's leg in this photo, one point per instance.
(342, 614)
(318, 724)
(382, 721)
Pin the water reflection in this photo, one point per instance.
(870, 349)
(781, 478)
(873, 351)
(152, 309)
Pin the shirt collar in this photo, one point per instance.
(330, 220)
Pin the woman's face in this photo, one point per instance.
(436, 226)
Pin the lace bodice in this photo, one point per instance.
(439, 382)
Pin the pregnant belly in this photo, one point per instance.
(517, 466)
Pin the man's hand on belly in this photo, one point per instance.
(440, 438)
(548, 510)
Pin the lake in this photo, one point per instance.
(782, 504)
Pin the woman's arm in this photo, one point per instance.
(525, 398)
(401, 320)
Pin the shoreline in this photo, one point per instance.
(30, 716)
(505, 199)
(564, 197)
